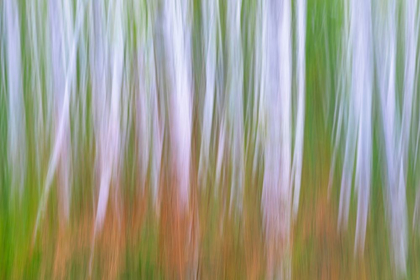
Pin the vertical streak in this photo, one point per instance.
(99, 70)
(116, 127)
(109, 114)
(156, 125)
(64, 117)
(142, 110)
(235, 102)
(395, 133)
(177, 39)
(61, 41)
(359, 126)
(276, 75)
(148, 127)
(285, 80)
(362, 89)
(211, 17)
(346, 178)
(298, 152)
(16, 118)
(36, 36)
